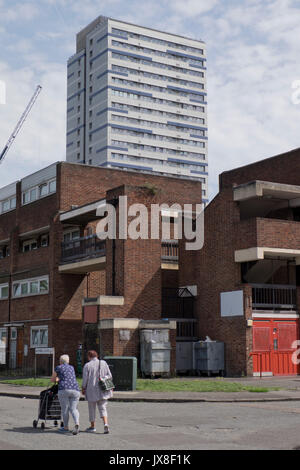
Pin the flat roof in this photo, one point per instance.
(140, 26)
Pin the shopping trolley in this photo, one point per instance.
(49, 407)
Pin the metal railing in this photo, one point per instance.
(174, 306)
(85, 247)
(275, 296)
(186, 329)
(169, 250)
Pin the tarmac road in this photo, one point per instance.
(168, 426)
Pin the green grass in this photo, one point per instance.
(165, 385)
(175, 385)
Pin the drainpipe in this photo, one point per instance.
(114, 202)
(114, 267)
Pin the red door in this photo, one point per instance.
(272, 347)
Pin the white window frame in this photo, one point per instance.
(11, 201)
(39, 328)
(3, 345)
(44, 241)
(28, 283)
(7, 250)
(28, 193)
(3, 286)
(70, 232)
(29, 243)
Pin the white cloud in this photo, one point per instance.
(18, 12)
(190, 8)
(252, 50)
(41, 140)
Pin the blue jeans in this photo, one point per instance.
(68, 400)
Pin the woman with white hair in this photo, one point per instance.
(68, 392)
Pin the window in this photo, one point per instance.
(52, 186)
(43, 190)
(70, 235)
(4, 251)
(5, 206)
(3, 343)
(29, 287)
(44, 240)
(3, 291)
(33, 194)
(29, 245)
(8, 205)
(39, 336)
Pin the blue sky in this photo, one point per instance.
(253, 50)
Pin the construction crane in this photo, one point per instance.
(20, 123)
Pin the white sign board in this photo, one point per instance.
(44, 351)
(232, 303)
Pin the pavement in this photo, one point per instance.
(289, 391)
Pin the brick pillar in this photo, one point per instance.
(248, 316)
(134, 268)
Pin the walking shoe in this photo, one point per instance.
(76, 430)
(90, 429)
(63, 430)
(106, 429)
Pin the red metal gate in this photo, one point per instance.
(272, 346)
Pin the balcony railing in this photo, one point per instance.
(92, 247)
(175, 306)
(271, 296)
(186, 329)
(81, 248)
(169, 251)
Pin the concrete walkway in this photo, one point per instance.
(289, 391)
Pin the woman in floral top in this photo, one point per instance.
(68, 392)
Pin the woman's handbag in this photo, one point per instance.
(105, 384)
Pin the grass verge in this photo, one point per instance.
(165, 385)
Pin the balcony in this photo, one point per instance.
(260, 238)
(88, 254)
(83, 255)
(274, 297)
(169, 254)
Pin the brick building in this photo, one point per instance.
(248, 272)
(57, 278)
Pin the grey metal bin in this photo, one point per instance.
(124, 371)
(209, 357)
(185, 357)
(155, 352)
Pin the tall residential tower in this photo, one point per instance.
(137, 101)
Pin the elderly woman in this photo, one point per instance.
(68, 392)
(92, 371)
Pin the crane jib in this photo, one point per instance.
(20, 123)
(3, 152)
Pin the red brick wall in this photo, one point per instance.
(283, 168)
(266, 232)
(217, 272)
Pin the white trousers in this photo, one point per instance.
(101, 405)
